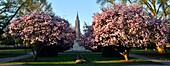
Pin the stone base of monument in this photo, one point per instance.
(77, 48)
(77, 51)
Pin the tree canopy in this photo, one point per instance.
(128, 25)
(42, 27)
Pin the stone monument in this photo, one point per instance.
(76, 47)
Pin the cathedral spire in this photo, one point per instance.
(77, 17)
(77, 26)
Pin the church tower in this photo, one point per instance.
(77, 27)
(76, 46)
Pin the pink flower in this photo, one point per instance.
(128, 24)
(40, 26)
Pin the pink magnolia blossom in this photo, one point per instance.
(87, 39)
(40, 26)
(128, 24)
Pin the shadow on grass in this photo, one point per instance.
(120, 62)
(4, 53)
(68, 60)
(152, 54)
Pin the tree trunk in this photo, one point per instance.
(36, 55)
(161, 49)
(146, 49)
(33, 51)
(38, 48)
(126, 57)
(124, 51)
(125, 54)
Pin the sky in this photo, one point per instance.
(68, 9)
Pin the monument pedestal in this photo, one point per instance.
(77, 48)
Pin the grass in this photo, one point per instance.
(151, 54)
(68, 59)
(12, 52)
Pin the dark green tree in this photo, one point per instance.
(103, 2)
(34, 5)
(158, 8)
(8, 10)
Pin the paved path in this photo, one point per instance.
(149, 59)
(15, 58)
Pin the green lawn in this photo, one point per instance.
(151, 54)
(68, 59)
(13, 52)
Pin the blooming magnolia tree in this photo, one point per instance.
(87, 39)
(42, 28)
(158, 34)
(124, 26)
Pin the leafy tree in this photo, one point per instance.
(42, 29)
(7, 12)
(125, 26)
(158, 8)
(6, 39)
(103, 2)
(34, 5)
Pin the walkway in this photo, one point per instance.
(149, 59)
(16, 58)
